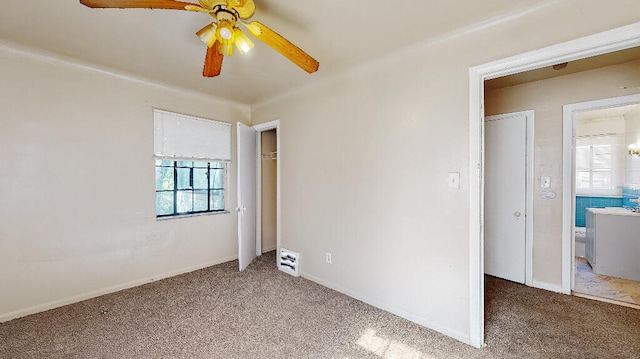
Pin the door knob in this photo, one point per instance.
(517, 214)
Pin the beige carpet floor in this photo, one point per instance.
(618, 289)
(262, 313)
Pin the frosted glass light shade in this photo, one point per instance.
(208, 34)
(242, 41)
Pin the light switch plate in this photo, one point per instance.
(454, 180)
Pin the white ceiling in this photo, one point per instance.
(161, 45)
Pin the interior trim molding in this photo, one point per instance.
(613, 40)
(547, 286)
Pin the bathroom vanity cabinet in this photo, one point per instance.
(613, 242)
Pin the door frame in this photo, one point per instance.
(263, 127)
(609, 41)
(569, 170)
(529, 116)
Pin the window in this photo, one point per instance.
(597, 165)
(191, 164)
(185, 187)
(593, 167)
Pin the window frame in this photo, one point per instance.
(176, 188)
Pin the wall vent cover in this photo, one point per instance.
(288, 261)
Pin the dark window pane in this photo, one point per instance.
(187, 183)
(164, 203)
(164, 178)
(184, 176)
(200, 178)
(217, 200)
(184, 201)
(200, 201)
(217, 178)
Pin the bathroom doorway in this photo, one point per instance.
(606, 185)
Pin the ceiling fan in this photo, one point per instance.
(223, 33)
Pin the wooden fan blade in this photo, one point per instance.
(212, 62)
(283, 46)
(147, 4)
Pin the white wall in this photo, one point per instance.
(632, 120)
(387, 133)
(77, 185)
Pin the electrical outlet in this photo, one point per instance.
(328, 257)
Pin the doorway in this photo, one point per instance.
(609, 41)
(250, 191)
(604, 175)
(268, 178)
(268, 220)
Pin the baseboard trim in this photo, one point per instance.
(546, 286)
(269, 249)
(96, 293)
(463, 337)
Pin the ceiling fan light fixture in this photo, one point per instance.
(220, 35)
(224, 31)
(225, 48)
(242, 41)
(208, 34)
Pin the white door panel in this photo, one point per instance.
(505, 197)
(247, 164)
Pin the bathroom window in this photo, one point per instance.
(593, 167)
(596, 165)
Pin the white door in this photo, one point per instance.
(247, 163)
(505, 197)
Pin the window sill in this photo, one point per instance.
(191, 215)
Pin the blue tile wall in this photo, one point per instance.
(629, 193)
(584, 202)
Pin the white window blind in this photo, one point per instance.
(178, 136)
(599, 164)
